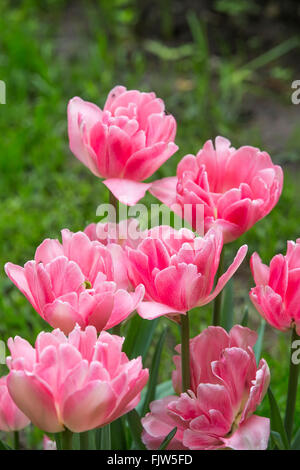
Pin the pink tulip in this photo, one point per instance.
(226, 388)
(11, 418)
(75, 282)
(234, 188)
(124, 143)
(178, 270)
(277, 292)
(79, 382)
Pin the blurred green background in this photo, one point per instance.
(222, 67)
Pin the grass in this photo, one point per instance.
(44, 188)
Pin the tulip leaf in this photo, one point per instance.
(139, 336)
(245, 318)
(167, 439)
(136, 429)
(228, 307)
(164, 389)
(57, 438)
(150, 395)
(296, 441)
(259, 343)
(118, 435)
(276, 420)
(277, 440)
(4, 446)
(103, 438)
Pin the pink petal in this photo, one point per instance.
(151, 310)
(127, 191)
(260, 271)
(253, 434)
(143, 163)
(35, 400)
(17, 275)
(227, 275)
(165, 190)
(87, 408)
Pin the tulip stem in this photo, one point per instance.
(84, 440)
(116, 330)
(66, 439)
(16, 440)
(115, 203)
(292, 390)
(185, 352)
(217, 308)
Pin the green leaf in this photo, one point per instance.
(277, 440)
(245, 318)
(164, 389)
(105, 438)
(139, 336)
(136, 429)
(276, 420)
(259, 343)
(167, 439)
(4, 446)
(296, 441)
(118, 434)
(57, 438)
(150, 395)
(227, 320)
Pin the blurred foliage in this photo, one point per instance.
(209, 61)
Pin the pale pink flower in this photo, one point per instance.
(178, 270)
(226, 388)
(234, 188)
(11, 417)
(125, 143)
(79, 382)
(277, 292)
(75, 281)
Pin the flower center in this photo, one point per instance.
(87, 284)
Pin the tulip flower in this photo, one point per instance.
(125, 143)
(277, 292)
(229, 188)
(226, 388)
(11, 418)
(75, 282)
(79, 382)
(178, 270)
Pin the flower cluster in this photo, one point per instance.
(78, 377)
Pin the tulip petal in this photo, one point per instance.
(253, 434)
(127, 191)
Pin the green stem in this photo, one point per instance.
(114, 202)
(292, 390)
(84, 440)
(185, 352)
(217, 308)
(16, 440)
(66, 440)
